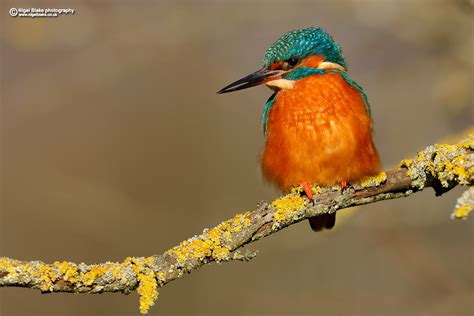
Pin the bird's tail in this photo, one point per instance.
(323, 221)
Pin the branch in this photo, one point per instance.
(441, 167)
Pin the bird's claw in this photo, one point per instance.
(345, 186)
(308, 191)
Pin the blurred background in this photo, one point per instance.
(115, 144)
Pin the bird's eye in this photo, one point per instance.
(291, 62)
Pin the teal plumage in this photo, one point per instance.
(302, 72)
(359, 88)
(304, 43)
(266, 110)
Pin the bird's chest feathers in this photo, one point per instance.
(321, 108)
(320, 132)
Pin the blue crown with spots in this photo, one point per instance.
(304, 43)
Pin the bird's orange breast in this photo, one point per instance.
(319, 132)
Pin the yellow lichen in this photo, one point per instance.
(8, 265)
(161, 276)
(201, 249)
(213, 234)
(406, 163)
(297, 190)
(236, 228)
(247, 222)
(52, 275)
(464, 204)
(95, 272)
(236, 224)
(237, 218)
(149, 260)
(450, 163)
(47, 275)
(211, 244)
(445, 163)
(67, 271)
(317, 189)
(205, 246)
(467, 143)
(179, 254)
(148, 285)
(220, 254)
(463, 211)
(117, 273)
(374, 180)
(287, 207)
(148, 290)
(227, 235)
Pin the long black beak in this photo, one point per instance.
(252, 80)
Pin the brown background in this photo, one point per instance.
(115, 144)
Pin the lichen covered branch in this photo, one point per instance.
(438, 166)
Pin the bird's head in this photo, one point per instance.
(293, 56)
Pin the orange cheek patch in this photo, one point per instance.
(311, 61)
(277, 65)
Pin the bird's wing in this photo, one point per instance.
(359, 88)
(266, 110)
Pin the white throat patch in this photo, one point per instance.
(280, 84)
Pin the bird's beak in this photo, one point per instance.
(252, 80)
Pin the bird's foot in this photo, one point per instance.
(345, 185)
(308, 191)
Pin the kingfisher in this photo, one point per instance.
(317, 123)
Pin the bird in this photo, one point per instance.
(317, 122)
